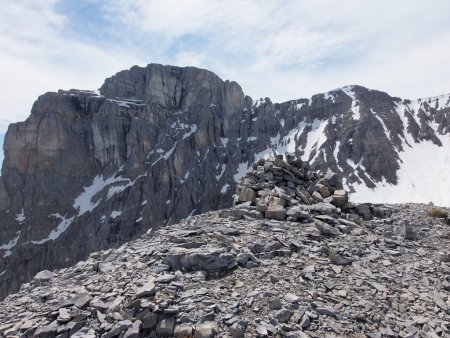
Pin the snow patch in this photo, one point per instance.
(222, 171)
(224, 141)
(316, 138)
(11, 244)
(115, 214)
(224, 188)
(329, 96)
(241, 171)
(336, 150)
(21, 217)
(83, 203)
(127, 103)
(55, 233)
(355, 102)
(418, 181)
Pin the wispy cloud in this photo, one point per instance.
(36, 56)
(277, 48)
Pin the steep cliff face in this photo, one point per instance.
(89, 170)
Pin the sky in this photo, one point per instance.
(276, 48)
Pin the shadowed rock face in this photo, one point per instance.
(88, 171)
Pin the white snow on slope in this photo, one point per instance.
(222, 171)
(437, 102)
(316, 138)
(11, 244)
(423, 176)
(224, 141)
(224, 188)
(55, 233)
(127, 103)
(21, 217)
(84, 203)
(241, 171)
(115, 214)
(348, 90)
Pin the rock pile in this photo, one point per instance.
(214, 275)
(290, 190)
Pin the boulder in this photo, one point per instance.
(246, 195)
(207, 259)
(43, 276)
(276, 212)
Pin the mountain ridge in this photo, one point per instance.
(86, 171)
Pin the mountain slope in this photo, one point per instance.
(281, 263)
(90, 170)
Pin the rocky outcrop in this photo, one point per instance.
(91, 170)
(229, 274)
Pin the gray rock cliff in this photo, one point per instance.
(88, 171)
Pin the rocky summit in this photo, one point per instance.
(91, 170)
(292, 258)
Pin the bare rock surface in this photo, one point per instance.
(228, 274)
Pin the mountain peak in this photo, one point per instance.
(86, 172)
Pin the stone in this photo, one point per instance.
(237, 330)
(208, 259)
(275, 303)
(291, 298)
(323, 190)
(118, 328)
(205, 330)
(283, 315)
(297, 212)
(410, 232)
(44, 276)
(261, 330)
(150, 320)
(165, 278)
(182, 331)
(364, 211)
(247, 195)
(82, 300)
(328, 311)
(134, 330)
(337, 259)
(322, 208)
(326, 229)
(47, 330)
(165, 327)
(305, 322)
(148, 289)
(276, 212)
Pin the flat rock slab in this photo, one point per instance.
(206, 258)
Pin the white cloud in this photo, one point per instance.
(280, 49)
(35, 58)
(301, 47)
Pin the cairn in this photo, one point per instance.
(285, 189)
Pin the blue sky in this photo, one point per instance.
(277, 48)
